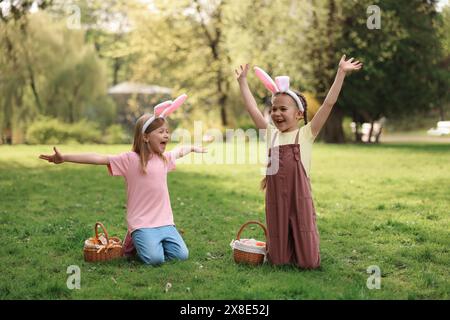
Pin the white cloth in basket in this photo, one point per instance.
(248, 245)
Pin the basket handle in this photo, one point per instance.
(238, 236)
(97, 224)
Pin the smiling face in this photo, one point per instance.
(285, 113)
(158, 138)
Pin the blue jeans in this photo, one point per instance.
(156, 245)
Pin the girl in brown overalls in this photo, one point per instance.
(293, 237)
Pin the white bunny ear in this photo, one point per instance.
(282, 83)
(159, 108)
(266, 80)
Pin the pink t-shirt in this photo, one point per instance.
(148, 201)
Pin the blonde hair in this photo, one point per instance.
(139, 145)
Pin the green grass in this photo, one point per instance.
(385, 205)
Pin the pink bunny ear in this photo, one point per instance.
(266, 80)
(282, 83)
(159, 108)
(175, 105)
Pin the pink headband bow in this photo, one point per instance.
(281, 84)
(164, 109)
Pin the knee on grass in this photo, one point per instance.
(155, 260)
(152, 259)
(182, 255)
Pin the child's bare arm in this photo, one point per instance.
(184, 150)
(324, 111)
(83, 158)
(249, 100)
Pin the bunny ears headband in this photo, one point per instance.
(281, 84)
(163, 109)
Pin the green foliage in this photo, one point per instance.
(46, 131)
(102, 110)
(401, 72)
(193, 46)
(52, 131)
(84, 131)
(48, 70)
(444, 30)
(115, 134)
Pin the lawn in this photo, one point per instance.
(384, 205)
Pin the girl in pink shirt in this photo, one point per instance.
(149, 213)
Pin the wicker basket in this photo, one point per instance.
(102, 247)
(245, 251)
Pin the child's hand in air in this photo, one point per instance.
(241, 74)
(55, 158)
(349, 65)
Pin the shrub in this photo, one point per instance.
(47, 130)
(84, 132)
(115, 135)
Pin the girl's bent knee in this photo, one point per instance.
(184, 255)
(152, 260)
(180, 255)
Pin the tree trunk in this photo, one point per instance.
(116, 68)
(222, 104)
(377, 137)
(369, 138)
(34, 87)
(441, 113)
(358, 135)
(332, 131)
(213, 39)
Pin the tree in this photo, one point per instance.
(14, 13)
(399, 59)
(400, 73)
(170, 51)
(211, 22)
(324, 53)
(204, 40)
(107, 26)
(443, 72)
(35, 80)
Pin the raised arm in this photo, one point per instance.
(324, 111)
(83, 158)
(249, 100)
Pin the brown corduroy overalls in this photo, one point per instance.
(293, 237)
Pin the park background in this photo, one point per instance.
(77, 74)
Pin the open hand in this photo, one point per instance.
(241, 73)
(56, 158)
(349, 65)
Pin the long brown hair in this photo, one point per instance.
(139, 145)
(302, 98)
